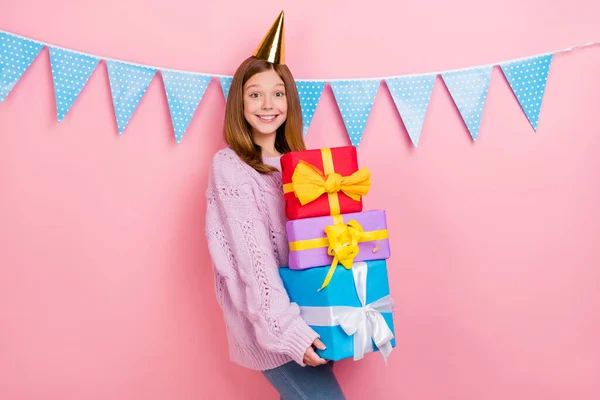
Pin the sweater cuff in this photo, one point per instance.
(299, 337)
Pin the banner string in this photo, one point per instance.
(568, 49)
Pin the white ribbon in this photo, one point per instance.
(365, 322)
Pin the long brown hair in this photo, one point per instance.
(237, 130)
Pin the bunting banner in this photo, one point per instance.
(184, 90)
(184, 93)
(527, 79)
(16, 55)
(411, 94)
(225, 85)
(70, 73)
(469, 90)
(128, 83)
(355, 99)
(309, 93)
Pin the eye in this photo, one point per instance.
(254, 95)
(280, 94)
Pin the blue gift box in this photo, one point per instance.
(325, 310)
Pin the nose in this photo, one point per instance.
(267, 105)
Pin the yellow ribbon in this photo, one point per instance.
(343, 240)
(309, 183)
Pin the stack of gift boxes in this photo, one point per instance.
(337, 272)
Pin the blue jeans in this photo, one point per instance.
(294, 382)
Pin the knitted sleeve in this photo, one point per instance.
(243, 257)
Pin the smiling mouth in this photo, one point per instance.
(267, 118)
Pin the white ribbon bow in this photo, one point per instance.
(366, 323)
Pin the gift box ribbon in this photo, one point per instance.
(309, 183)
(342, 243)
(366, 322)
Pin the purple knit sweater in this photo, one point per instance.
(245, 230)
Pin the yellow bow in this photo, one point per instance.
(343, 245)
(309, 183)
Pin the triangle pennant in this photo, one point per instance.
(225, 85)
(527, 79)
(70, 73)
(184, 93)
(310, 93)
(355, 100)
(469, 90)
(16, 55)
(411, 94)
(128, 83)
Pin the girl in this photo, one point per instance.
(245, 229)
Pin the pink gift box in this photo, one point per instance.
(310, 232)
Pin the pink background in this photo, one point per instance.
(105, 283)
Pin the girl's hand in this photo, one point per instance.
(311, 358)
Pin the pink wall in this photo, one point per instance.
(105, 283)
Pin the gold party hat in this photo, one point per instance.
(272, 47)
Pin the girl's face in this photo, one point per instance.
(265, 104)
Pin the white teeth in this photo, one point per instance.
(267, 118)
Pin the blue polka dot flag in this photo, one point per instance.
(411, 94)
(310, 93)
(469, 90)
(184, 93)
(225, 85)
(527, 79)
(355, 100)
(128, 83)
(70, 73)
(16, 55)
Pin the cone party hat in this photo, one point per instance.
(272, 46)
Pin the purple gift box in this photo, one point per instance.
(310, 233)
